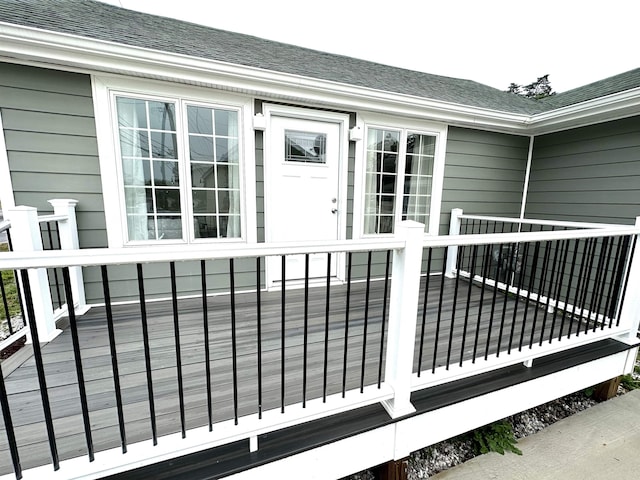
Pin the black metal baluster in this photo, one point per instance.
(283, 274)
(576, 299)
(543, 275)
(618, 282)
(424, 310)
(523, 271)
(596, 284)
(346, 324)
(55, 270)
(437, 335)
(603, 282)
(234, 341)
(459, 261)
(493, 302)
(474, 253)
(147, 354)
(532, 277)
(259, 333)
(207, 353)
(507, 283)
(384, 316)
(566, 300)
(15, 279)
(42, 382)
(583, 299)
(614, 276)
(306, 329)
(114, 357)
(77, 357)
(485, 268)
(8, 427)
(366, 322)
(626, 280)
(326, 331)
(561, 267)
(549, 291)
(176, 336)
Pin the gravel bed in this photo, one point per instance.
(16, 323)
(449, 453)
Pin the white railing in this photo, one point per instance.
(27, 241)
(409, 248)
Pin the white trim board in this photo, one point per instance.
(7, 198)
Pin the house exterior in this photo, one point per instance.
(171, 134)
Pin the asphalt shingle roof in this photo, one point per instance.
(106, 22)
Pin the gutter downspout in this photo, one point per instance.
(525, 188)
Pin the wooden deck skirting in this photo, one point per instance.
(363, 355)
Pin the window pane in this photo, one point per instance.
(388, 184)
(201, 148)
(205, 227)
(227, 150)
(418, 177)
(168, 201)
(381, 178)
(141, 227)
(204, 201)
(135, 172)
(132, 112)
(226, 123)
(134, 143)
(199, 119)
(229, 226)
(165, 173)
(228, 176)
(305, 147)
(162, 116)
(169, 227)
(164, 145)
(228, 201)
(138, 200)
(202, 175)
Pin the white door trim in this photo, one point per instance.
(271, 110)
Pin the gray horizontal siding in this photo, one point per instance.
(484, 173)
(587, 174)
(51, 143)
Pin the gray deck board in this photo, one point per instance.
(26, 406)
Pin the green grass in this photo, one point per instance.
(10, 290)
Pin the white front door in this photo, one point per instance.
(302, 167)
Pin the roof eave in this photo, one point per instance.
(65, 51)
(598, 110)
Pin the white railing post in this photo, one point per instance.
(630, 314)
(452, 251)
(403, 314)
(25, 233)
(68, 230)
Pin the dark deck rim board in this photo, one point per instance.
(235, 458)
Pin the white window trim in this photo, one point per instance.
(104, 87)
(374, 120)
(6, 187)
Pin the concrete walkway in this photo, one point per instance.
(602, 442)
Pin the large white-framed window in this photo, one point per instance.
(402, 168)
(177, 163)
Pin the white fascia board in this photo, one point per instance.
(90, 55)
(609, 107)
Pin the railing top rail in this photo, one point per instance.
(132, 255)
(521, 237)
(52, 218)
(534, 221)
(5, 225)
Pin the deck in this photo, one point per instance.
(26, 405)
